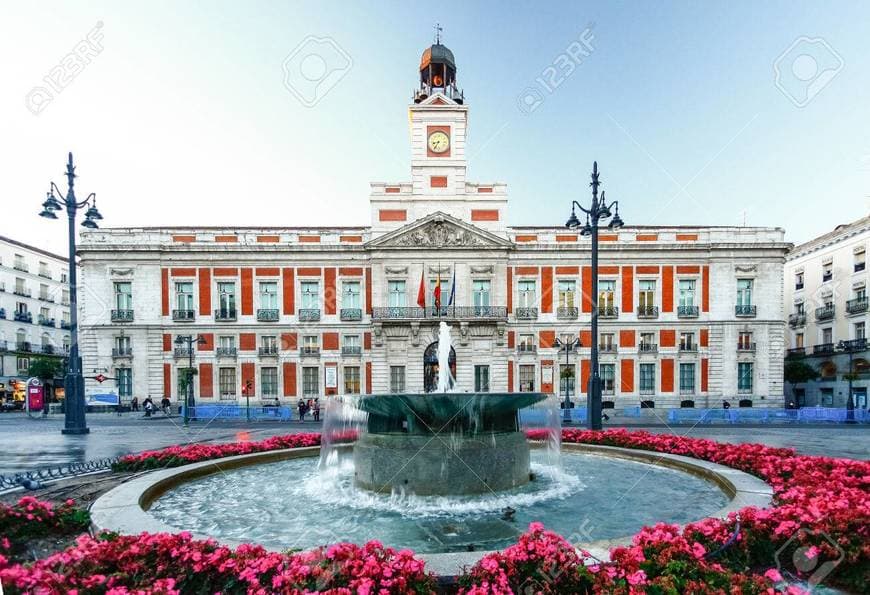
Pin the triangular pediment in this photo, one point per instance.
(440, 230)
(438, 98)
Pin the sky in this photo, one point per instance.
(178, 113)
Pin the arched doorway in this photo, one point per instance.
(430, 366)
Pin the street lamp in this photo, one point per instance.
(568, 347)
(189, 400)
(850, 347)
(599, 211)
(74, 382)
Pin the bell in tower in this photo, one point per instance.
(438, 72)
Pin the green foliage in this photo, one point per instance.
(185, 377)
(45, 368)
(797, 371)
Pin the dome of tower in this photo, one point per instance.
(438, 54)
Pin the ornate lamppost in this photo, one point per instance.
(74, 382)
(599, 211)
(567, 347)
(189, 400)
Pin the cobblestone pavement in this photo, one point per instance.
(31, 443)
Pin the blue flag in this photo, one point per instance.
(453, 289)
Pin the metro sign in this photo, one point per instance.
(100, 378)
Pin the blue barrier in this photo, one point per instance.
(631, 411)
(212, 412)
(750, 415)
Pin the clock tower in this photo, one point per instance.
(438, 120)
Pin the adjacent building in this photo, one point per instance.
(690, 316)
(34, 309)
(827, 307)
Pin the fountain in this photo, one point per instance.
(444, 442)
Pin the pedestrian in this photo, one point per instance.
(726, 405)
(301, 406)
(165, 405)
(148, 405)
(316, 409)
(134, 404)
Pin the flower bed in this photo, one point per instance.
(821, 512)
(175, 456)
(31, 519)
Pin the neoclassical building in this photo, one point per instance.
(689, 315)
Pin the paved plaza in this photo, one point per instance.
(32, 443)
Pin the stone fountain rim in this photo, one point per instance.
(124, 508)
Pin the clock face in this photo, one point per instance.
(439, 142)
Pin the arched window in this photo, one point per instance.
(828, 370)
(745, 403)
(861, 365)
(430, 366)
(687, 404)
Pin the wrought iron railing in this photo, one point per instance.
(527, 348)
(65, 324)
(24, 346)
(226, 352)
(524, 313)
(21, 267)
(567, 313)
(647, 311)
(309, 351)
(825, 312)
(183, 351)
(607, 348)
(854, 345)
(687, 311)
(267, 314)
(823, 349)
(797, 319)
(647, 347)
(350, 314)
(796, 352)
(122, 352)
(744, 346)
(225, 314)
(856, 305)
(309, 314)
(269, 350)
(608, 312)
(55, 473)
(351, 350)
(438, 313)
(46, 321)
(45, 298)
(122, 315)
(22, 291)
(183, 315)
(23, 316)
(746, 310)
(688, 347)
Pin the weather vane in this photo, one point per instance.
(438, 31)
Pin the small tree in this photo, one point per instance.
(798, 371)
(45, 368)
(185, 377)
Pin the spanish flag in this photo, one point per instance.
(437, 292)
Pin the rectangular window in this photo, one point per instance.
(799, 340)
(860, 332)
(269, 343)
(123, 295)
(310, 343)
(861, 293)
(184, 295)
(43, 291)
(859, 262)
(527, 295)
(527, 378)
(397, 379)
(269, 295)
(23, 365)
(310, 380)
(744, 292)
(799, 308)
(397, 296)
(269, 382)
(827, 271)
(647, 340)
(567, 290)
(646, 297)
(227, 383)
(526, 343)
(744, 377)
(125, 382)
(310, 295)
(744, 340)
(608, 378)
(227, 298)
(481, 379)
(227, 342)
(351, 380)
(566, 378)
(687, 341)
(481, 294)
(827, 335)
(799, 280)
(647, 378)
(687, 379)
(826, 397)
(687, 292)
(123, 345)
(351, 341)
(607, 342)
(350, 295)
(606, 291)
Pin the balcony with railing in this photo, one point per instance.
(122, 352)
(827, 277)
(122, 315)
(22, 291)
(527, 348)
(225, 314)
(525, 313)
(65, 324)
(608, 312)
(183, 315)
(23, 317)
(647, 347)
(687, 311)
(825, 312)
(47, 349)
(268, 351)
(44, 274)
(744, 346)
(442, 313)
(267, 315)
(796, 352)
(226, 352)
(567, 313)
(44, 297)
(854, 345)
(309, 351)
(309, 314)
(607, 348)
(45, 321)
(689, 347)
(647, 311)
(24, 346)
(183, 351)
(351, 350)
(797, 319)
(857, 305)
(20, 266)
(745, 310)
(823, 349)
(350, 314)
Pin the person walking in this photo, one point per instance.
(301, 406)
(165, 405)
(148, 405)
(134, 404)
(316, 409)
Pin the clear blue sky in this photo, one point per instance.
(183, 119)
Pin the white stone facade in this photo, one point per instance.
(345, 299)
(827, 308)
(34, 308)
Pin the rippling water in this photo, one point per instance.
(294, 505)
